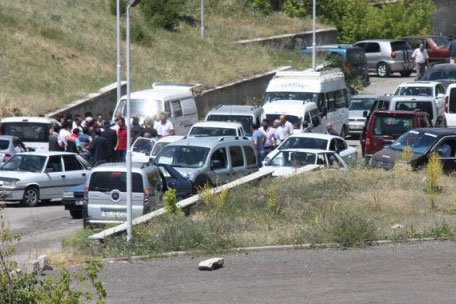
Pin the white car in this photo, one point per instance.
(162, 142)
(216, 128)
(294, 161)
(432, 89)
(142, 149)
(317, 141)
(450, 106)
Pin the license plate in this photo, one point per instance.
(78, 203)
(113, 214)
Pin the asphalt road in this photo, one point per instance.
(406, 273)
(43, 229)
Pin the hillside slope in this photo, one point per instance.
(52, 52)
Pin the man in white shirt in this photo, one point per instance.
(165, 127)
(64, 133)
(420, 55)
(287, 127)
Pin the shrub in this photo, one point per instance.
(433, 174)
(163, 13)
(170, 199)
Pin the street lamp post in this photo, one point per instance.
(202, 18)
(314, 43)
(131, 4)
(118, 67)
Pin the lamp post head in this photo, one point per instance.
(133, 3)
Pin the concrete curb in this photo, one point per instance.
(265, 249)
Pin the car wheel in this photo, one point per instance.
(200, 182)
(383, 69)
(344, 132)
(76, 214)
(31, 197)
(406, 73)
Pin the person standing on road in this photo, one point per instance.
(452, 48)
(285, 128)
(121, 146)
(54, 138)
(111, 140)
(421, 57)
(64, 133)
(165, 127)
(270, 136)
(99, 148)
(258, 141)
(330, 130)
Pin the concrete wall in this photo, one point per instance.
(103, 101)
(295, 40)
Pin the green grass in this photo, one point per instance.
(53, 52)
(351, 208)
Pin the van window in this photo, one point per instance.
(188, 106)
(295, 120)
(331, 101)
(139, 107)
(218, 159)
(315, 115)
(341, 145)
(54, 163)
(271, 96)
(210, 131)
(452, 101)
(250, 155)
(71, 163)
(439, 90)
(27, 131)
(237, 159)
(341, 98)
(183, 156)
(107, 181)
(414, 91)
(416, 105)
(176, 108)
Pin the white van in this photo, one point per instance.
(32, 131)
(450, 106)
(296, 112)
(175, 99)
(325, 88)
(244, 114)
(216, 128)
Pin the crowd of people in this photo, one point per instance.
(98, 141)
(266, 138)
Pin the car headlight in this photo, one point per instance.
(68, 194)
(9, 183)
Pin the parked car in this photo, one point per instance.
(175, 99)
(163, 142)
(175, 180)
(210, 160)
(73, 200)
(216, 128)
(245, 115)
(142, 149)
(419, 103)
(32, 131)
(105, 194)
(436, 46)
(443, 73)
(317, 141)
(294, 161)
(384, 127)
(358, 110)
(422, 143)
(388, 56)
(450, 106)
(432, 89)
(7, 147)
(353, 58)
(33, 176)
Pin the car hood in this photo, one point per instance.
(386, 158)
(18, 175)
(356, 114)
(186, 172)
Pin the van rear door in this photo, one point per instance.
(450, 107)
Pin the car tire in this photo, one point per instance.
(383, 69)
(200, 182)
(406, 73)
(76, 214)
(344, 132)
(31, 196)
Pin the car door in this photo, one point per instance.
(237, 162)
(219, 166)
(347, 153)
(446, 149)
(75, 173)
(372, 50)
(54, 183)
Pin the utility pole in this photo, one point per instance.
(314, 42)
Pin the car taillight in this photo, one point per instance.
(6, 157)
(146, 197)
(446, 104)
(85, 200)
(368, 140)
(393, 54)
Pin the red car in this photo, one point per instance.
(384, 127)
(436, 46)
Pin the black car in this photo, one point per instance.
(422, 142)
(444, 73)
(73, 198)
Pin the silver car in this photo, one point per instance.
(31, 176)
(388, 56)
(359, 109)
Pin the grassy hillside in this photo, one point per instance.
(52, 52)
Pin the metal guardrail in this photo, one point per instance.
(181, 204)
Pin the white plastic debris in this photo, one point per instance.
(211, 264)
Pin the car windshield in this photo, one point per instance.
(414, 91)
(440, 74)
(4, 144)
(31, 163)
(106, 181)
(143, 145)
(415, 105)
(140, 107)
(211, 131)
(271, 96)
(183, 156)
(295, 120)
(292, 159)
(27, 131)
(304, 143)
(419, 142)
(392, 126)
(441, 42)
(245, 120)
(361, 104)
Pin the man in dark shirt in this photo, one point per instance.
(111, 139)
(99, 148)
(54, 139)
(136, 129)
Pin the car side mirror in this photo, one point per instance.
(49, 170)
(365, 113)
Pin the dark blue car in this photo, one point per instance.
(73, 197)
